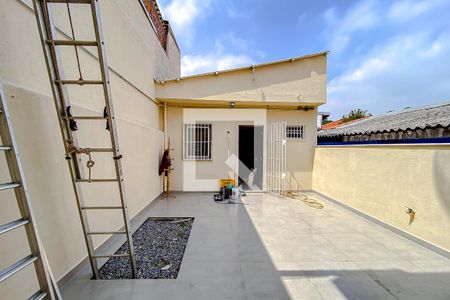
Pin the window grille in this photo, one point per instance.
(295, 132)
(197, 142)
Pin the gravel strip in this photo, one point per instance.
(159, 246)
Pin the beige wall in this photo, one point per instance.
(175, 133)
(299, 153)
(168, 62)
(302, 81)
(381, 181)
(132, 50)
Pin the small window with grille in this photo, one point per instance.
(197, 141)
(295, 132)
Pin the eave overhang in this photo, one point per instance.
(296, 82)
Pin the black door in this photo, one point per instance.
(251, 156)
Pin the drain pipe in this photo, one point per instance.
(165, 125)
(228, 152)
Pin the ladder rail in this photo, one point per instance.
(61, 100)
(96, 18)
(22, 195)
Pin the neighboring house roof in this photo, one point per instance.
(408, 119)
(338, 123)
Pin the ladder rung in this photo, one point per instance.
(72, 43)
(70, 1)
(38, 296)
(13, 225)
(110, 255)
(98, 149)
(5, 148)
(96, 180)
(100, 207)
(6, 186)
(106, 232)
(79, 82)
(16, 267)
(87, 118)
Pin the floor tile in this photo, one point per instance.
(273, 248)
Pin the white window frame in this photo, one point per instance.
(190, 144)
(297, 130)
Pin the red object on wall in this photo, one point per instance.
(165, 162)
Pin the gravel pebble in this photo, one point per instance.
(157, 244)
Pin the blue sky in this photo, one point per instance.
(384, 55)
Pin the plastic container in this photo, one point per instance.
(226, 182)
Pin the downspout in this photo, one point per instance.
(165, 125)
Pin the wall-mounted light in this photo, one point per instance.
(232, 104)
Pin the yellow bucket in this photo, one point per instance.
(226, 182)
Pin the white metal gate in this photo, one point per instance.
(276, 166)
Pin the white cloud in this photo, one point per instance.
(235, 41)
(436, 48)
(195, 64)
(406, 10)
(231, 40)
(300, 19)
(406, 71)
(233, 13)
(183, 14)
(222, 56)
(409, 67)
(362, 16)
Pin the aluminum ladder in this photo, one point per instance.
(67, 121)
(48, 287)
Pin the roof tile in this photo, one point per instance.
(413, 118)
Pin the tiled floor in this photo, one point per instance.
(271, 248)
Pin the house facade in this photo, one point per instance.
(232, 111)
(256, 124)
(238, 108)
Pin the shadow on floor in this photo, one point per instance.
(377, 284)
(224, 258)
(271, 249)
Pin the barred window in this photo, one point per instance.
(197, 142)
(295, 132)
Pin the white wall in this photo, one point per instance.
(192, 175)
(205, 175)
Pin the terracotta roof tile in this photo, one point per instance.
(339, 123)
